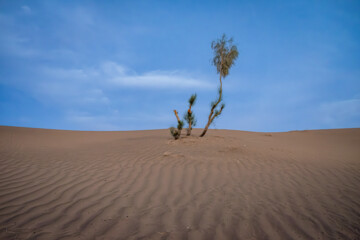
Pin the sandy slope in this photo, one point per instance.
(143, 185)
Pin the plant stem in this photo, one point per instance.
(211, 117)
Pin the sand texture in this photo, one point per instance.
(144, 185)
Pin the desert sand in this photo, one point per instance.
(58, 184)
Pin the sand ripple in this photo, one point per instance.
(143, 185)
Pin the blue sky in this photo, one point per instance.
(125, 65)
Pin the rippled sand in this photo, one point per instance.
(144, 185)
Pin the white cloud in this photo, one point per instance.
(88, 85)
(119, 75)
(89, 96)
(158, 79)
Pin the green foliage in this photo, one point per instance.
(180, 125)
(218, 99)
(225, 54)
(192, 99)
(174, 132)
(190, 117)
(222, 106)
(218, 112)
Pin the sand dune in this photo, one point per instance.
(144, 185)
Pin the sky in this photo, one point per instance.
(126, 65)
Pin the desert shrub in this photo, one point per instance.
(189, 116)
(225, 54)
(176, 132)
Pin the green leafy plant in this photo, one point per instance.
(176, 132)
(225, 54)
(189, 115)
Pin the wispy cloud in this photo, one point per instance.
(159, 79)
(12, 42)
(85, 62)
(93, 98)
(26, 9)
(90, 83)
(119, 75)
(13, 45)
